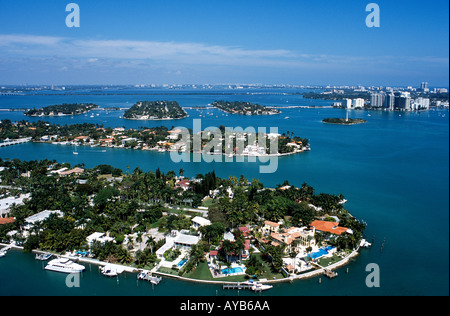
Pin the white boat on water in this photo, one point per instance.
(261, 287)
(64, 265)
(365, 244)
(43, 256)
(2, 253)
(109, 271)
(258, 286)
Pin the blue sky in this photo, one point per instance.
(247, 41)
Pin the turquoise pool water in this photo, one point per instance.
(181, 263)
(232, 270)
(320, 253)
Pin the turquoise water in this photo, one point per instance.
(321, 252)
(393, 170)
(232, 270)
(180, 264)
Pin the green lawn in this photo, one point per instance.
(325, 262)
(202, 273)
(208, 202)
(268, 274)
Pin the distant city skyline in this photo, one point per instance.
(197, 42)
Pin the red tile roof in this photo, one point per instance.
(244, 230)
(271, 223)
(7, 220)
(330, 227)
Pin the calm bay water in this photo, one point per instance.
(393, 170)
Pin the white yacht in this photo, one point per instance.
(257, 286)
(109, 271)
(261, 287)
(64, 265)
(2, 254)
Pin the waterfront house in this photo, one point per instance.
(81, 139)
(183, 184)
(98, 237)
(73, 171)
(39, 217)
(294, 238)
(178, 240)
(329, 227)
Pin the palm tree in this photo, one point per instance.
(227, 248)
(151, 242)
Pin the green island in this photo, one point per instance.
(343, 121)
(155, 110)
(337, 96)
(203, 228)
(159, 139)
(62, 109)
(244, 108)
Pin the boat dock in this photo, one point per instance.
(330, 274)
(237, 286)
(15, 142)
(148, 276)
(253, 286)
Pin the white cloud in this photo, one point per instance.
(43, 54)
(92, 50)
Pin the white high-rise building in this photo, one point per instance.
(377, 99)
(347, 103)
(420, 104)
(389, 102)
(358, 103)
(424, 87)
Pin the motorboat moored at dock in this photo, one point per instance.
(43, 256)
(64, 265)
(148, 276)
(109, 271)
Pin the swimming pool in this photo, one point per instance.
(321, 252)
(232, 270)
(181, 263)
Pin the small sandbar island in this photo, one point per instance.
(62, 109)
(222, 231)
(244, 108)
(343, 121)
(155, 110)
